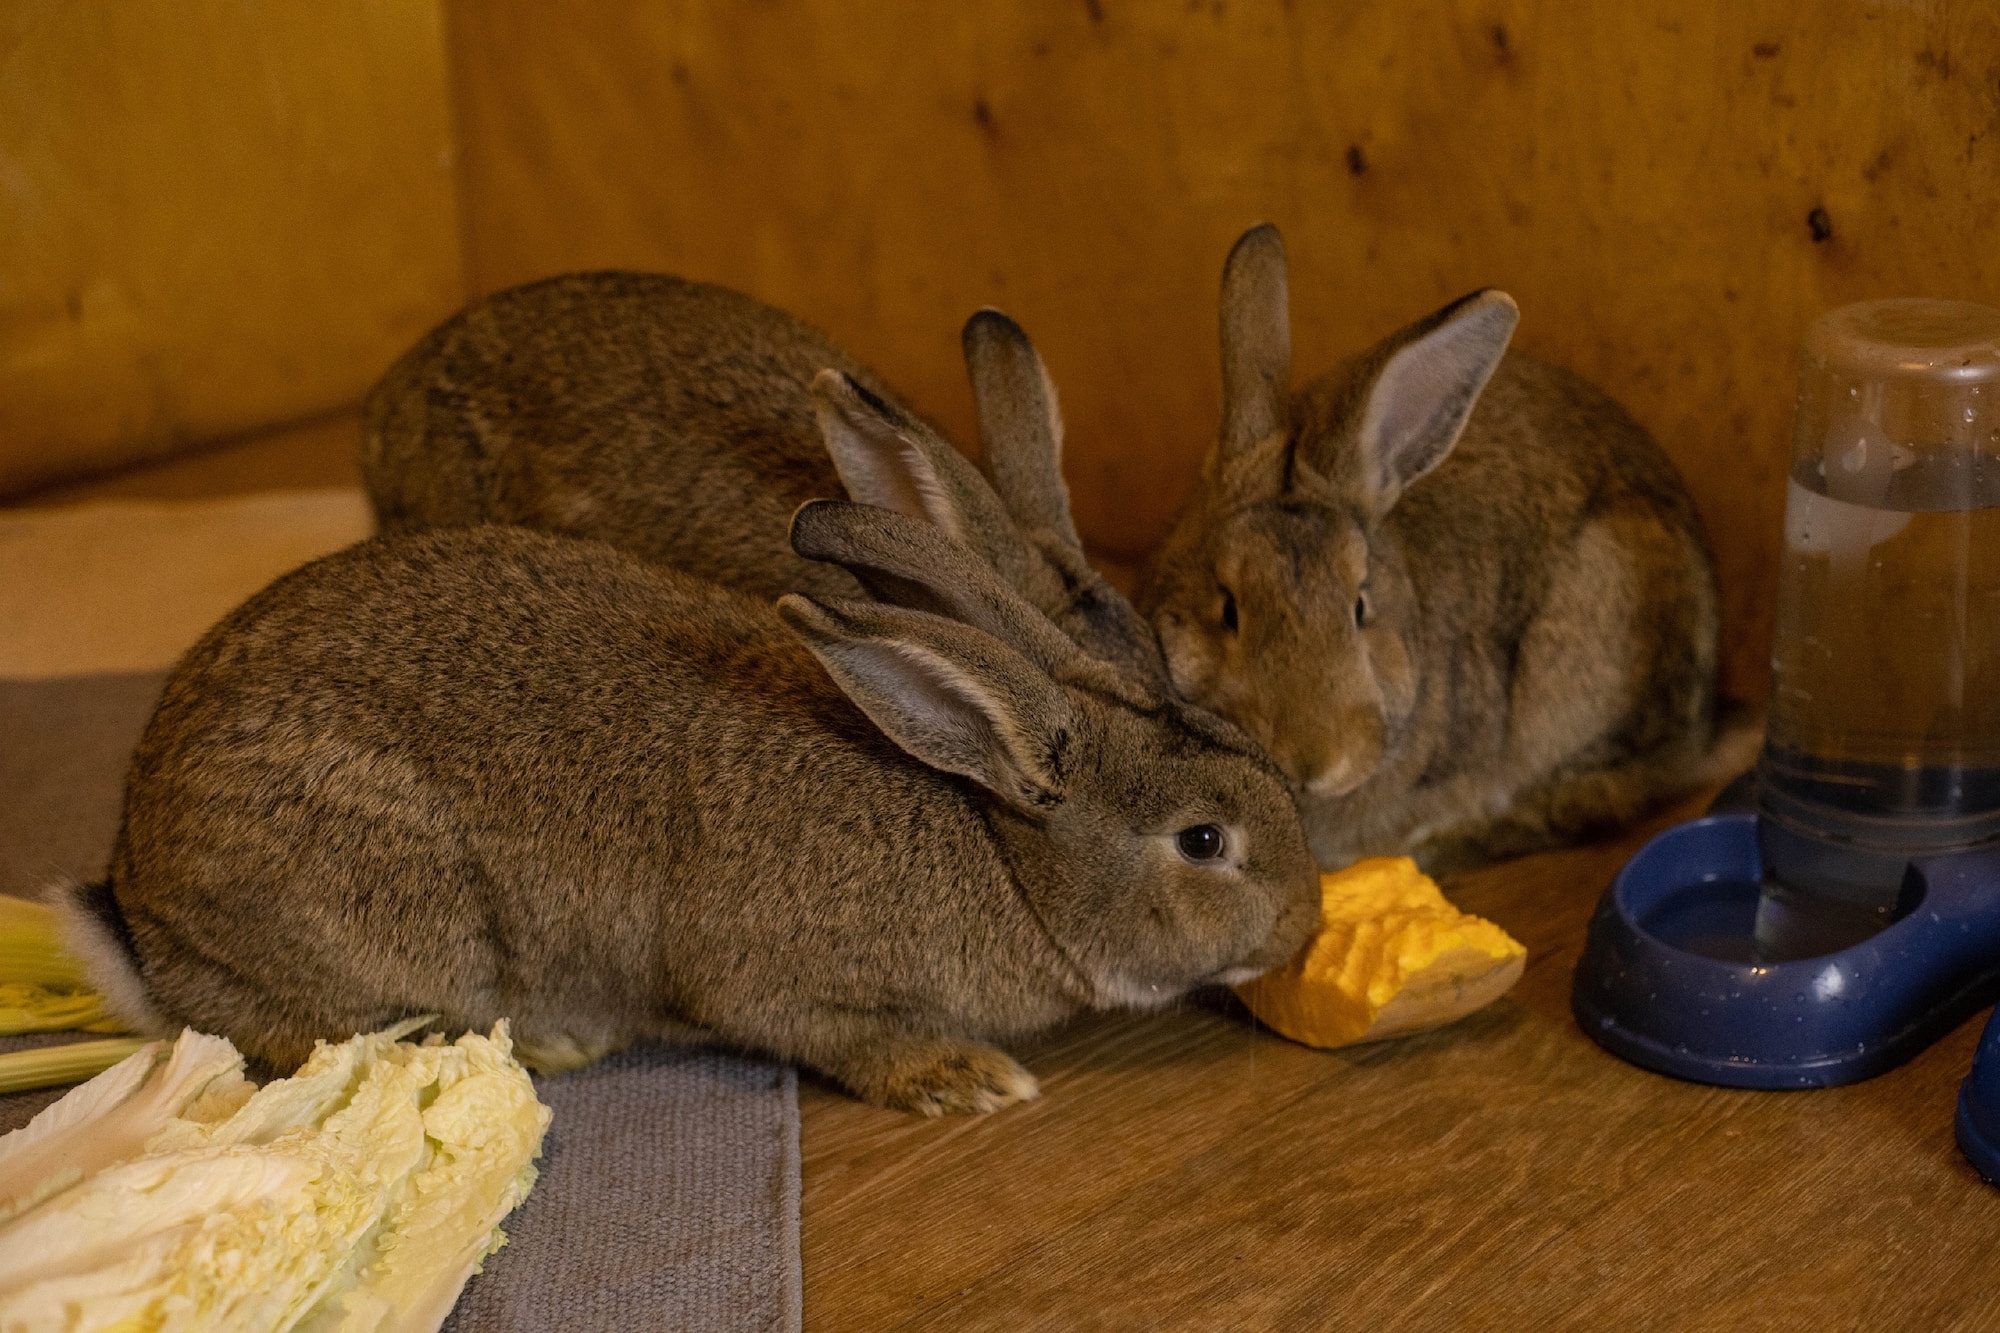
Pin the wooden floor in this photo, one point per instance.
(1184, 1170)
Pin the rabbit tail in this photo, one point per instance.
(93, 927)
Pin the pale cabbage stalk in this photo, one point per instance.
(357, 1196)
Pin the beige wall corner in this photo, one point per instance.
(130, 585)
(1640, 176)
(214, 216)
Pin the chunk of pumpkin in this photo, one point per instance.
(1391, 957)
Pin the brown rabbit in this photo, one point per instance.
(1459, 653)
(675, 420)
(489, 772)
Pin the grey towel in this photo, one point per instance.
(669, 1198)
(669, 1193)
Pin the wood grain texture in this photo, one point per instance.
(214, 217)
(1183, 1170)
(1639, 175)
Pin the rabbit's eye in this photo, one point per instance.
(1228, 610)
(1361, 610)
(1203, 842)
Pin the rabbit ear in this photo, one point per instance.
(1020, 424)
(1256, 342)
(1425, 391)
(952, 697)
(887, 460)
(880, 458)
(907, 562)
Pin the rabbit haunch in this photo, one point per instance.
(680, 421)
(491, 773)
(1460, 596)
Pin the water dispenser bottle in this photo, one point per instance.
(1884, 719)
(1853, 915)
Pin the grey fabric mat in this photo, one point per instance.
(669, 1190)
(637, 1138)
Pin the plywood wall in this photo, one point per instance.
(214, 216)
(1670, 190)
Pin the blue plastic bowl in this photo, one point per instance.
(1978, 1121)
(1836, 1018)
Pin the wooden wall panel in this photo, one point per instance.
(1639, 175)
(214, 216)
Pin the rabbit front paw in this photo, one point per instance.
(939, 1077)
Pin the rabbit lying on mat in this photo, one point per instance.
(488, 772)
(676, 421)
(1458, 653)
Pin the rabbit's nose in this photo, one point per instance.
(1333, 761)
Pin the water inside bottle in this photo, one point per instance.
(1884, 726)
(1886, 656)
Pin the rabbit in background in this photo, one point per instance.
(488, 772)
(1458, 594)
(677, 421)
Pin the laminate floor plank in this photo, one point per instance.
(899, 1212)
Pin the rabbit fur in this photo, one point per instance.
(1460, 596)
(676, 420)
(488, 772)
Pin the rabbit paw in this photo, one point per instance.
(557, 1052)
(936, 1078)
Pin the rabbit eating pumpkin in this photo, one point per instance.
(491, 773)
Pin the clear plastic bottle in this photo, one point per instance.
(1884, 740)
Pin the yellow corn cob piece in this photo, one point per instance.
(30, 949)
(1391, 957)
(41, 987)
(25, 1008)
(53, 1065)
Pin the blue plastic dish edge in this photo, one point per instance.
(1872, 1006)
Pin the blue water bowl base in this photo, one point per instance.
(1978, 1122)
(1668, 979)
